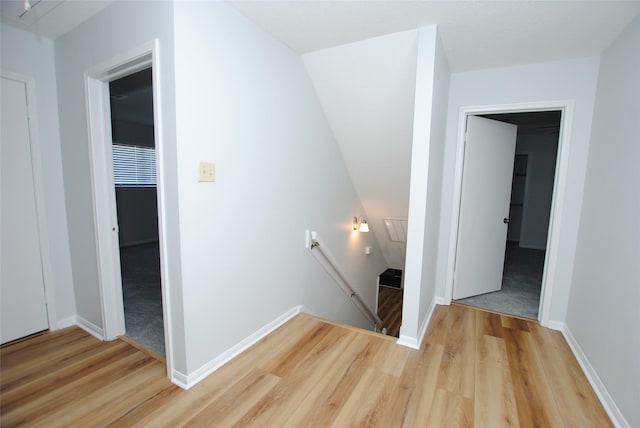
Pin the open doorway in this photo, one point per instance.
(530, 203)
(134, 173)
(390, 291)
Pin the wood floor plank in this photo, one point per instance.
(413, 393)
(59, 399)
(493, 379)
(229, 407)
(515, 323)
(534, 396)
(90, 409)
(295, 354)
(473, 369)
(450, 410)
(276, 407)
(72, 362)
(390, 309)
(439, 325)
(570, 387)
(13, 362)
(457, 374)
(89, 371)
(365, 406)
(323, 402)
(187, 403)
(488, 323)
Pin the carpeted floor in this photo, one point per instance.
(521, 282)
(142, 295)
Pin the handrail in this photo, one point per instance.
(344, 284)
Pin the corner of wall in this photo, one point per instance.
(186, 381)
(598, 386)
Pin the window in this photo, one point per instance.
(134, 166)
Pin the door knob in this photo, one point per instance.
(505, 220)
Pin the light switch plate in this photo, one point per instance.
(206, 172)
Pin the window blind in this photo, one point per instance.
(134, 166)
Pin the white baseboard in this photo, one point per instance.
(89, 327)
(441, 301)
(416, 342)
(66, 322)
(555, 325)
(187, 381)
(617, 418)
(408, 341)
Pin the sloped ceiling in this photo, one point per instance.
(367, 92)
(475, 34)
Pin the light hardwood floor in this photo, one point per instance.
(474, 369)
(390, 309)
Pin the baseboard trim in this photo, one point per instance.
(89, 327)
(441, 301)
(187, 381)
(555, 325)
(416, 342)
(66, 322)
(617, 418)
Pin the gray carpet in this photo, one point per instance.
(521, 282)
(142, 295)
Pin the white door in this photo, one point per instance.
(22, 297)
(484, 206)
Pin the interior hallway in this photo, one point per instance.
(474, 369)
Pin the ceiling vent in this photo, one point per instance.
(397, 228)
(27, 13)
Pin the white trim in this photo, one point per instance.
(104, 209)
(38, 190)
(555, 325)
(89, 327)
(415, 343)
(187, 381)
(441, 301)
(67, 322)
(617, 418)
(557, 204)
(105, 216)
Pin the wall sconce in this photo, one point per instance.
(360, 223)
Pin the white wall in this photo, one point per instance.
(432, 84)
(113, 32)
(573, 80)
(33, 56)
(367, 91)
(541, 149)
(603, 311)
(245, 102)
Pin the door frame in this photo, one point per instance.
(557, 201)
(98, 107)
(38, 190)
